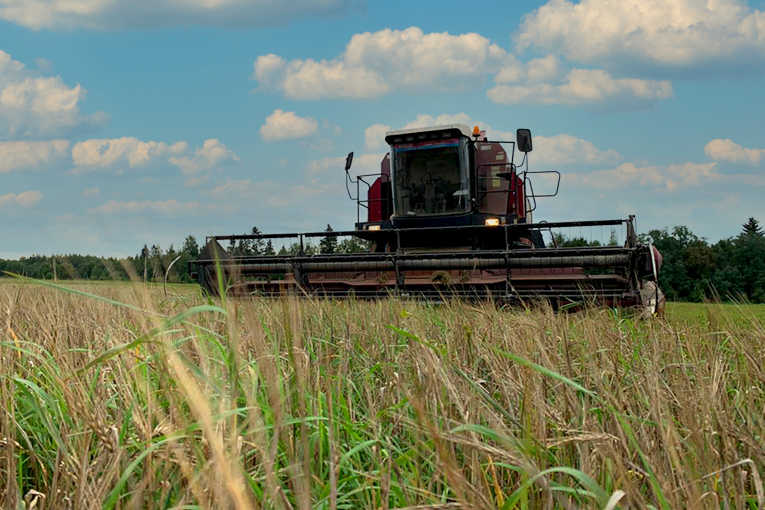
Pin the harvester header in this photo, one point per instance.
(450, 214)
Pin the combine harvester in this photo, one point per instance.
(449, 215)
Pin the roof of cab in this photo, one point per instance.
(461, 129)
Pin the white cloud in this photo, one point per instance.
(24, 199)
(567, 149)
(19, 155)
(410, 61)
(664, 33)
(727, 150)
(33, 105)
(211, 154)
(166, 207)
(282, 125)
(112, 153)
(94, 154)
(378, 63)
(592, 87)
(670, 177)
(374, 136)
(124, 14)
(91, 192)
(458, 118)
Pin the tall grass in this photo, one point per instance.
(134, 399)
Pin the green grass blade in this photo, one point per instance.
(544, 371)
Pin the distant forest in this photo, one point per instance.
(693, 269)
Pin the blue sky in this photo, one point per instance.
(131, 123)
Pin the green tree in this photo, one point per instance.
(749, 259)
(752, 227)
(353, 245)
(573, 242)
(328, 244)
(688, 264)
(257, 246)
(190, 246)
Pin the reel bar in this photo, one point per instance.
(387, 232)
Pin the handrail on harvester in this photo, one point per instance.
(531, 226)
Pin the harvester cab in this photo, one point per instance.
(449, 215)
(442, 178)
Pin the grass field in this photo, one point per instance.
(679, 313)
(123, 396)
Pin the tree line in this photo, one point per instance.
(692, 270)
(153, 264)
(695, 270)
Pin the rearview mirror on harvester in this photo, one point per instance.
(349, 160)
(348, 177)
(523, 139)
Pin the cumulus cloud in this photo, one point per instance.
(669, 34)
(125, 14)
(568, 149)
(25, 199)
(727, 150)
(628, 175)
(410, 61)
(106, 153)
(32, 106)
(91, 192)
(374, 136)
(592, 87)
(163, 207)
(131, 152)
(30, 155)
(211, 154)
(458, 118)
(378, 63)
(282, 125)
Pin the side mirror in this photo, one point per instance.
(523, 139)
(349, 159)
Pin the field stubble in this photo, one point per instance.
(137, 399)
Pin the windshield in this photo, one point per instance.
(430, 177)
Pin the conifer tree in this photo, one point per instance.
(752, 227)
(328, 244)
